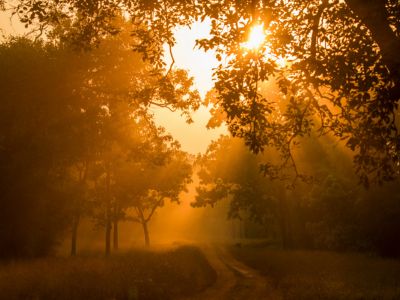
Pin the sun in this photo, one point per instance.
(256, 37)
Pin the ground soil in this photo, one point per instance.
(235, 280)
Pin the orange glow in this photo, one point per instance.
(200, 65)
(256, 37)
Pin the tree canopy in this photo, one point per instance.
(335, 63)
(69, 121)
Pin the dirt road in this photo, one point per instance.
(235, 280)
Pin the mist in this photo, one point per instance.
(199, 150)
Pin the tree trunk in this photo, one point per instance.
(146, 234)
(108, 238)
(78, 209)
(283, 221)
(108, 213)
(283, 227)
(75, 224)
(115, 244)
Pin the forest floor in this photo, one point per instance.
(219, 271)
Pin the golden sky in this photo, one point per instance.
(10, 25)
(194, 137)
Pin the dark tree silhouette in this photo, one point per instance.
(36, 111)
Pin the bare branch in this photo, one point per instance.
(315, 28)
(172, 58)
(156, 205)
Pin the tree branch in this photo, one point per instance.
(315, 28)
(374, 16)
(157, 204)
(172, 58)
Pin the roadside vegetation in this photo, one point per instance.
(298, 274)
(138, 274)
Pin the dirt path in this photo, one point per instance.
(235, 280)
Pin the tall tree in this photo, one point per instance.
(120, 87)
(37, 108)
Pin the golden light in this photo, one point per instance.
(200, 65)
(256, 37)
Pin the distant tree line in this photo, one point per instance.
(331, 212)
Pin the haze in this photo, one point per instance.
(199, 149)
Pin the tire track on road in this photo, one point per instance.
(235, 281)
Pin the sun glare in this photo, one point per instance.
(256, 37)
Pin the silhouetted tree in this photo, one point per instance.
(37, 108)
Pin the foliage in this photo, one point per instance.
(335, 64)
(66, 118)
(335, 78)
(228, 171)
(330, 209)
(339, 76)
(330, 213)
(143, 185)
(36, 111)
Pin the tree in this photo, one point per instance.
(35, 146)
(330, 212)
(120, 87)
(228, 171)
(158, 175)
(124, 136)
(317, 213)
(334, 81)
(340, 75)
(71, 117)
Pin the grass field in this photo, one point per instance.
(134, 275)
(311, 275)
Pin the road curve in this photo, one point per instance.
(235, 280)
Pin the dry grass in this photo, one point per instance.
(324, 275)
(135, 275)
